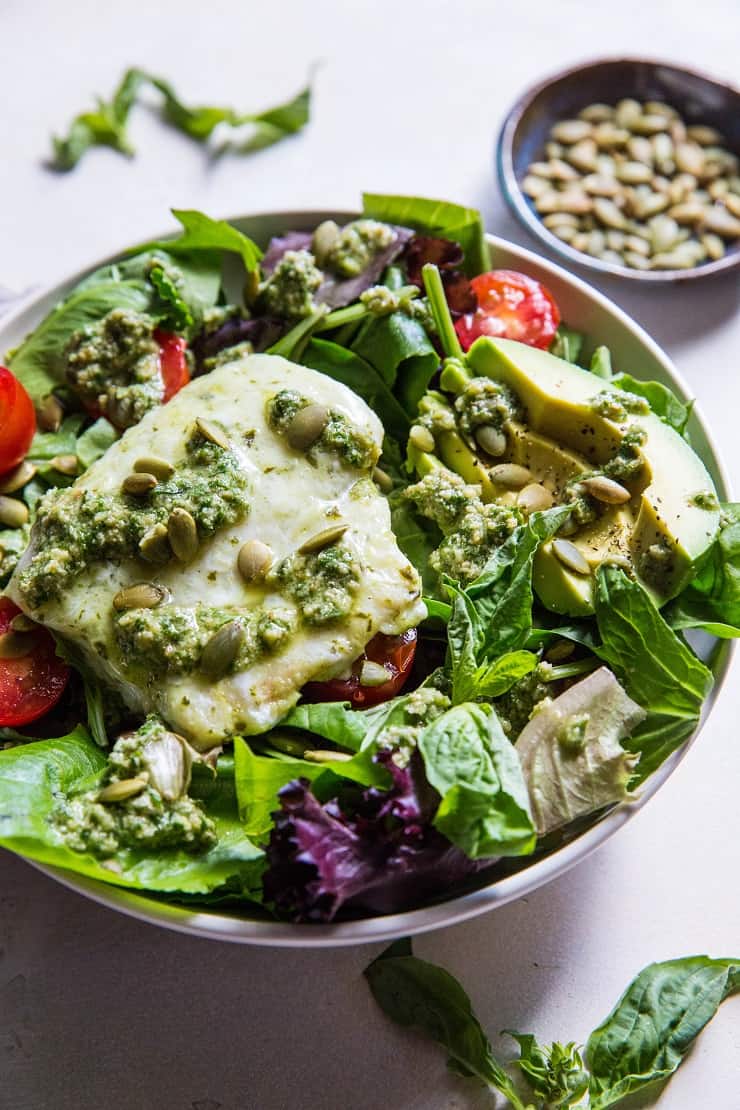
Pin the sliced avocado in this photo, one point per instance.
(662, 530)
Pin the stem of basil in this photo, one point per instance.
(349, 315)
(298, 336)
(440, 311)
(571, 670)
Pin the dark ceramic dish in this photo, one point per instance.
(698, 98)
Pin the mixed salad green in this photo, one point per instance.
(565, 535)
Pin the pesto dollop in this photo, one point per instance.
(338, 436)
(289, 290)
(322, 584)
(114, 364)
(484, 402)
(356, 246)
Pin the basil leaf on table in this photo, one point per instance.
(418, 994)
(655, 666)
(438, 218)
(555, 1072)
(649, 1031)
(33, 778)
(484, 809)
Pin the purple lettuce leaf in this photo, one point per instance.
(367, 848)
(261, 332)
(447, 256)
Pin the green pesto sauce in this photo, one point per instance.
(339, 437)
(704, 499)
(485, 402)
(322, 584)
(289, 290)
(114, 364)
(356, 246)
(617, 406)
(516, 706)
(76, 527)
(145, 821)
(472, 530)
(572, 733)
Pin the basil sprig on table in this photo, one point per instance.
(642, 1041)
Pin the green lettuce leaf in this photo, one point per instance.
(663, 401)
(484, 808)
(438, 218)
(202, 233)
(650, 1030)
(34, 776)
(95, 441)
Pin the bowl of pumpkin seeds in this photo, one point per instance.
(630, 167)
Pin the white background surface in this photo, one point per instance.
(99, 1011)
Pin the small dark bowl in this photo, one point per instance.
(697, 98)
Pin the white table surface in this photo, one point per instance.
(98, 1010)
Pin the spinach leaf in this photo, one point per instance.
(714, 595)
(567, 344)
(688, 611)
(415, 993)
(649, 1031)
(34, 776)
(485, 807)
(202, 233)
(401, 352)
(347, 367)
(663, 402)
(655, 666)
(438, 218)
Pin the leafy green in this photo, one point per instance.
(712, 600)
(555, 1072)
(567, 344)
(438, 218)
(95, 441)
(34, 777)
(202, 233)
(107, 125)
(399, 349)
(655, 666)
(417, 538)
(347, 367)
(415, 993)
(649, 1031)
(468, 759)
(46, 445)
(663, 401)
(601, 363)
(440, 310)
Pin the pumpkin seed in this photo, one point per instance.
(18, 478)
(65, 464)
(142, 595)
(154, 546)
(213, 434)
(373, 674)
(21, 622)
(574, 201)
(600, 185)
(535, 186)
(510, 475)
(13, 513)
(306, 426)
(608, 136)
(139, 485)
(690, 158)
(560, 650)
(560, 170)
(254, 560)
(16, 645)
(221, 650)
(634, 173)
(123, 789)
(382, 480)
(567, 234)
(664, 233)
(324, 238)
(323, 539)
(318, 756)
(677, 130)
(596, 242)
(554, 150)
(648, 124)
(607, 212)
(491, 440)
(720, 188)
(182, 532)
(421, 438)
(720, 220)
(560, 219)
(641, 149)
(615, 240)
(614, 258)
(704, 136)
(543, 169)
(660, 108)
(583, 156)
(637, 244)
(651, 205)
(571, 131)
(596, 113)
(151, 464)
(687, 213)
(682, 257)
(50, 413)
(548, 202)
(534, 497)
(713, 245)
(605, 489)
(569, 555)
(626, 112)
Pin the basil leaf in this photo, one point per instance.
(338, 722)
(649, 1031)
(35, 775)
(347, 367)
(438, 218)
(555, 1072)
(400, 350)
(106, 126)
(655, 666)
(663, 401)
(421, 995)
(277, 123)
(201, 233)
(485, 806)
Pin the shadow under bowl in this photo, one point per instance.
(699, 99)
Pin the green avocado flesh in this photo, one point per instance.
(661, 532)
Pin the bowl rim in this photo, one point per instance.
(463, 907)
(518, 203)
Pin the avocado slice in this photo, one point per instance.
(662, 532)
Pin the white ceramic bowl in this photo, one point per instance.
(633, 350)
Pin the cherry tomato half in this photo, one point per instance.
(395, 653)
(33, 682)
(510, 306)
(17, 421)
(172, 362)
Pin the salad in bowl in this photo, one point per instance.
(339, 574)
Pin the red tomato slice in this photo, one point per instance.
(33, 683)
(172, 362)
(395, 653)
(510, 306)
(17, 421)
